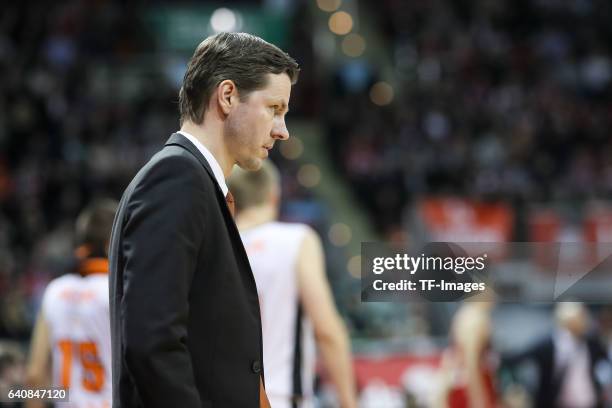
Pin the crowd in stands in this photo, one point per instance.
(501, 100)
(65, 135)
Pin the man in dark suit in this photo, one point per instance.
(567, 362)
(185, 323)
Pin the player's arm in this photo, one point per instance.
(38, 369)
(162, 235)
(473, 332)
(330, 333)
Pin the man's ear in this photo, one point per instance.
(227, 95)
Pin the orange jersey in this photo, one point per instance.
(76, 310)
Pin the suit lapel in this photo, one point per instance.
(180, 140)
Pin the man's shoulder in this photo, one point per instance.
(58, 285)
(172, 177)
(63, 281)
(279, 230)
(172, 160)
(295, 227)
(174, 156)
(286, 235)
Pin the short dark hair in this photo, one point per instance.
(240, 57)
(94, 225)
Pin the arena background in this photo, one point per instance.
(479, 120)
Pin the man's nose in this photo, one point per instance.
(279, 130)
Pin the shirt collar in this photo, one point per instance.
(214, 164)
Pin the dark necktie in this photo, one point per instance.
(229, 199)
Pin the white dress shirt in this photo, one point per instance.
(572, 357)
(214, 164)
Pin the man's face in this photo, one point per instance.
(257, 122)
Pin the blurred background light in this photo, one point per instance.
(354, 266)
(309, 175)
(381, 93)
(223, 20)
(292, 148)
(353, 45)
(341, 23)
(340, 234)
(329, 5)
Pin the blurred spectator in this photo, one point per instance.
(12, 371)
(570, 362)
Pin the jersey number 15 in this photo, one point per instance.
(87, 353)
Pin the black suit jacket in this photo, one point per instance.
(185, 322)
(542, 353)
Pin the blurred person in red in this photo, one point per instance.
(468, 366)
(567, 361)
(296, 302)
(72, 329)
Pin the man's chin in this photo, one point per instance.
(251, 164)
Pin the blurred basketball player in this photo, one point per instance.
(73, 323)
(468, 366)
(296, 303)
